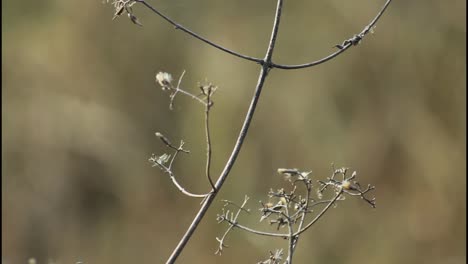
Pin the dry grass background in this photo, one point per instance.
(80, 108)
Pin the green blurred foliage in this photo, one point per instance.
(80, 108)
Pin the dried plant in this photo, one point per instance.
(289, 208)
(292, 209)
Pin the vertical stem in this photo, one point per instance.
(306, 207)
(208, 140)
(240, 140)
(319, 215)
(274, 32)
(291, 237)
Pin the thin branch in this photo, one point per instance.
(254, 231)
(173, 95)
(195, 35)
(310, 64)
(208, 105)
(304, 211)
(361, 193)
(274, 33)
(324, 210)
(291, 237)
(240, 140)
(227, 202)
(164, 79)
(191, 96)
(166, 141)
(221, 240)
(168, 169)
(175, 154)
(182, 91)
(181, 189)
(342, 48)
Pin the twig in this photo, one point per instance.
(325, 209)
(197, 36)
(342, 48)
(254, 231)
(172, 96)
(304, 209)
(169, 144)
(221, 240)
(174, 181)
(190, 95)
(185, 191)
(168, 169)
(208, 106)
(165, 82)
(291, 237)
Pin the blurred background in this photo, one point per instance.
(80, 109)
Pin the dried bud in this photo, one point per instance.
(289, 172)
(134, 19)
(163, 138)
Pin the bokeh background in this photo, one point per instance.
(80, 108)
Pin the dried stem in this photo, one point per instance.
(291, 237)
(319, 215)
(234, 219)
(197, 36)
(181, 189)
(254, 231)
(190, 95)
(282, 235)
(342, 48)
(240, 140)
(208, 105)
(168, 169)
(177, 89)
(303, 206)
(304, 210)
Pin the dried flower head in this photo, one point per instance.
(346, 185)
(163, 139)
(122, 6)
(288, 172)
(164, 79)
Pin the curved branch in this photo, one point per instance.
(195, 35)
(176, 183)
(182, 190)
(342, 48)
